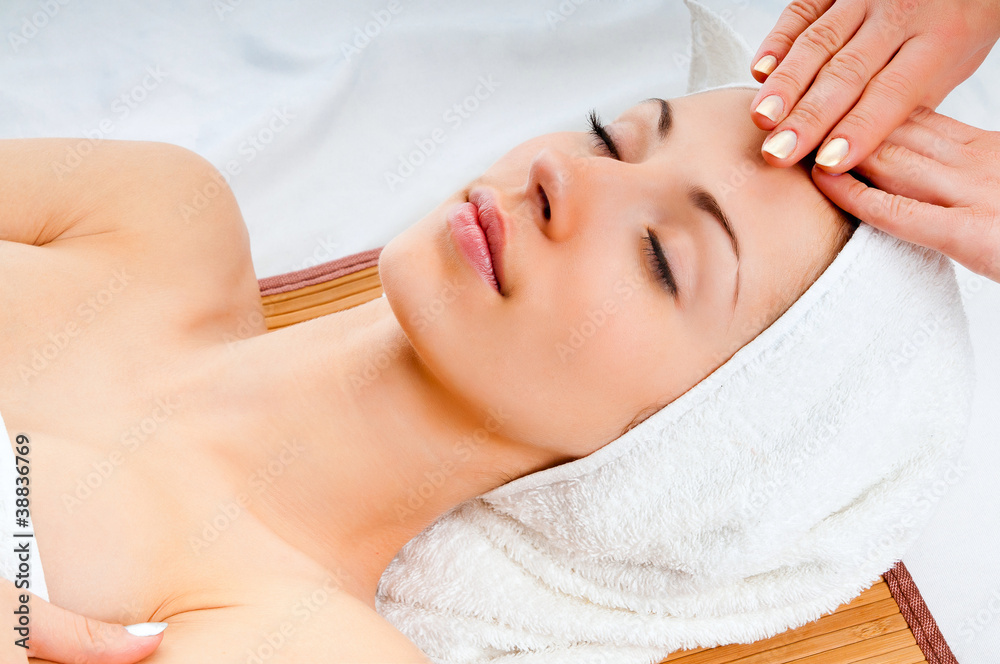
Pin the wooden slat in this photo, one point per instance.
(878, 595)
(283, 309)
(910, 655)
(842, 619)
(800, 648)
(867, 630)
(856, 627)
(854, 652)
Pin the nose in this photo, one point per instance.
(552, 178)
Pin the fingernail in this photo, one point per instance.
(781, 144)
(766, 64)
(146, 629)
(771, 107)
(833, 152)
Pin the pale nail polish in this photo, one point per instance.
(833, 152)
(781, 144)
(766, 64)
(771, 107)
(146, 629)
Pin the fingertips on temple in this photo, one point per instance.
(771, 107)
(844, 190)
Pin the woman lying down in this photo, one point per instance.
(645, 403)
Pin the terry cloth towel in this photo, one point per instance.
(776, 489)
(10, 563)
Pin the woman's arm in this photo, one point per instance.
(157, 211)
(58, 188)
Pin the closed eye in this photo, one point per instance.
(651, 245)
(601, 135)
(660, 265)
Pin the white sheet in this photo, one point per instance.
(215, 76)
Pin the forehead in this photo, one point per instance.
(784, 224)
(714, 119)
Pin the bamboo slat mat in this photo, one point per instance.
(868, 630)
(295, 306)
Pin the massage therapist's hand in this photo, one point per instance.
(56, 635)
(839, 79)
(938, 186)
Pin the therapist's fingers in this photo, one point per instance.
(813, 50)
(896, 168)
(969, 235)
(915, 221)
(923, 139)
(891, 96)
(938, 185)
(836, 89)
(956, 131)
(797, 16)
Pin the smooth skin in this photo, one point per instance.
(255, 485)
(859, 79)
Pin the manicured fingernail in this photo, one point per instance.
(146, 629)
(771, 107)
(766, 64)
(781, 144)
(833, 152)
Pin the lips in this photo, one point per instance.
(479, 231)
(494, 225)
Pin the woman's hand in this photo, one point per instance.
(851, 71)
(56, 635)
(938, 186)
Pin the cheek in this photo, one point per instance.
(561, 362)
(584, 353)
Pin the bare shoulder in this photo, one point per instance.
(303, 623)
(157, 212)
(56, 189)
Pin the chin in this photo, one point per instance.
(433, 298)
(417, 272)
(406, 272)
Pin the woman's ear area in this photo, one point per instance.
(642, 416)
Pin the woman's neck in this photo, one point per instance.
(345, 443)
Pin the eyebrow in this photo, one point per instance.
(666, 116)
(699, 196)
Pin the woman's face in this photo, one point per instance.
(586, 332)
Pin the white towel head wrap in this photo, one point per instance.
(775, 490)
